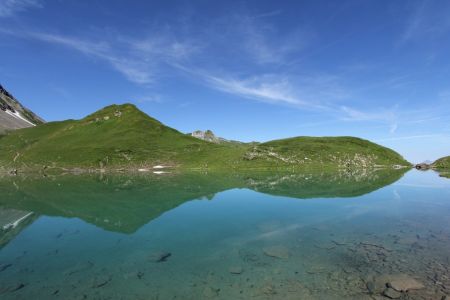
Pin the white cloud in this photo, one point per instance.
(138, 60)
(386, 116)
(352, 114)
(166, 48)
(155, 98)
(311, 92)
(141, 61)
(428, 19)
(253, 39)
(145, 60)
(410, 137)
(261, 88)
(131, 68)
(9, 8)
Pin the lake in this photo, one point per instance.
(278, 235)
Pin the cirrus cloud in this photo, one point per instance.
(9, 8)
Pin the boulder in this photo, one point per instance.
(391, 293)
(403, 283)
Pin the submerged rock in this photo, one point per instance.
(371, 287)
(276, 251)
(101, 281)
(160, 256)
(235, 270)
(268, 289)
(392, 294)
(3, 267)
(403, 283)
(210, 292)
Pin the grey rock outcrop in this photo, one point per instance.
(13, 115)
(207, 135)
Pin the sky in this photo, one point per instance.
(248, 70)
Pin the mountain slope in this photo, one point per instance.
(14, 115)
(341, 151)
(118, 135)
(442, 163)
(121, 136)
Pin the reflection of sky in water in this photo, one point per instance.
(335, 245)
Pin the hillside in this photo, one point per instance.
(121, 136)
(118, 135)
(442, 163)
(326, 151)
(13, 115)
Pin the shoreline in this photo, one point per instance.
(165, 170)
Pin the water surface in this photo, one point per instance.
(224, 236)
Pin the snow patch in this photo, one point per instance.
(18, 116)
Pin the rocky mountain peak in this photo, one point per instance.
(13, 115)
(207, 135)
(5, 92)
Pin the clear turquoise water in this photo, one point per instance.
(101, 238)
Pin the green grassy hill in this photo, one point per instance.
(325, 151)
(442, 163)
(121, 136)
(118, 135)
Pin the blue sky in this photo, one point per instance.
(248, 70)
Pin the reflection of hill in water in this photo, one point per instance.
(124, 203)
(445, 174)
(344, 183)
(12, 222)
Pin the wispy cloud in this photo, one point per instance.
(9, 8)
(269, 14)
(428, 19)
(387, 116)
(256, 39)
(274, 90)
(410, 137)
(255, 65)
(415, 22)
(138, 60)
(130, 68)
(154, 98)
(141, 61)
(270, 88)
